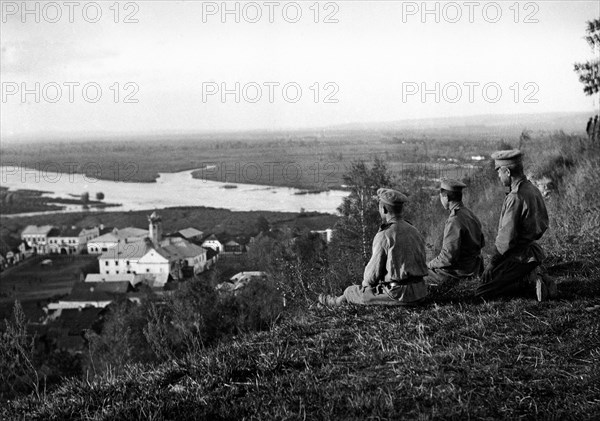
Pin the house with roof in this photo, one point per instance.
(13, 256)
(273, 233)
(326, 234)
(191, 234)
(133, 279)
(36, 237)
(153, 258)
(25, 250)
(92, 294)
(177, 249)
(123, 258)
(232, 247)
(110, 239)
(18, 254)
(240, 280)
(156, 260)
(187, 252)
(70, 240)
(213, 242)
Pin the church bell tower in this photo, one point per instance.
(155, 228)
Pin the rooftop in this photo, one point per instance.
(100, 277)
(65, 232)
(180, 247)
(37, 230)
(130, 250)
(98, 291)
(121, 235)
(190, 232)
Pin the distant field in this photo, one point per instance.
(23, 201)
(312, 161)
(30, 281)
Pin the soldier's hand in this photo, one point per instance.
(486, 276)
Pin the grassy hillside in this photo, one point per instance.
(453, 358)
(448, 360)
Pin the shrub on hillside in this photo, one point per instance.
(196, 316)
(575, 212)
(252, 308)
(121, 341)
(17, 371)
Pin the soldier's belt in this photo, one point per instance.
(407, 281)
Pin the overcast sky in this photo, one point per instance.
(360, 62)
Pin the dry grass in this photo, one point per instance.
(451, 360)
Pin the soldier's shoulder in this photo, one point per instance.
(527, 189)
(469, 214)
(464, 213)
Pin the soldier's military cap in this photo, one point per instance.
(391, 197)
(451, 184)
(507, 158)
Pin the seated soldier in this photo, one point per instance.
(523, 221)
(460, 256)
(394, 275)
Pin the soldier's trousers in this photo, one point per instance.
(379, 295)
(509, 278)
(440, 281)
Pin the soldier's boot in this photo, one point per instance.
(550, 285)
(545, 286)
(329, 300)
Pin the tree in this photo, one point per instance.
(121, 340)
(85, 197)
(100, 195)
(262, 224)
(360, 216)
(589, 72)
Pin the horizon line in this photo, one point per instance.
(68, 135)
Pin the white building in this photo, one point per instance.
(193, 255)
(153, 259)
(213, 242)
(326, 234)
(109, 240)
(123, 258)
(36, 237)
(70, 240)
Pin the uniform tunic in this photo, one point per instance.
(523, 221)
(394, 275)
(460, 256)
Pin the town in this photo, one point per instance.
(117, 264)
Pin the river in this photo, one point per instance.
(170, 190)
